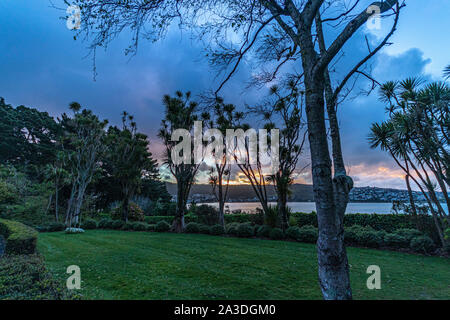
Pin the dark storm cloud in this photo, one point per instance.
(43, 67)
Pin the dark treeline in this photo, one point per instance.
(58, 169)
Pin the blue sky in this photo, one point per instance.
(43, 67)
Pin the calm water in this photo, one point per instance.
(361, 207)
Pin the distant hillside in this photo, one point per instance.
(300, 193)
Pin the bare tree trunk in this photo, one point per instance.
(411, 202)
(282, 206)
(178, 223)
(333, 264)
(56, 205)
(221, 203)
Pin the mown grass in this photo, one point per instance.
(148, 265)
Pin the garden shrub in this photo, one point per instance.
(156, 219)
(271, 217)
(135, 213)
(106, 223)
(206, 214)
(217, 230)
(308, 234)
(192, 227)
(139, 226)
(263, 231)
(396, 241)
(245, 230)
(151, 227)
(232, 228)
(117, 224)
(203, 228)
(25, 277)
(237, 217)
(276, 234)
(371, 239)
(126, 226)
(55, 226)
(408, 233)
(293, 232)
(89, 224)
(293, 221)
(422, 244)
(352, 234)
(20, 239)
(162, 226)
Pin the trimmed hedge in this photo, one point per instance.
(422, 244)
(203, 228)
(263, 231)
(139, 226)
(308, 234)
(20, 239)
(25, 277)
(192, 227)
(232, 228)
(156, 219)
(162, 226)
(89, 224)
(217, 230)
(276, 234)
(245, 230)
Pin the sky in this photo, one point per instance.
(42, 66)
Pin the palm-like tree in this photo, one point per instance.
(416, 136)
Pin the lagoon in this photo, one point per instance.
(353, 207)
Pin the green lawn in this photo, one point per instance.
(148, 265)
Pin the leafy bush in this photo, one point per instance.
(408, 233)
(203, 228)
(217, 230)
(135, 213)
(276, 234)
(237, 217)
(56, 226)
(386, 222)
(126, 226)
(293, 232)
(151, 227)
(165, 209)
(422, 244)
(20, 239)
(192, 227)
(371, 239)
(308, 234)
(206, 214)
(139, 226)
(245, 230)
(89, 224)
(352, 234)
(232, 228)
(162, 226)
(263, 231)
(396, 241)
(106, 223)
(74, 230)
(24, 277)
(156, 219)
(293, 221)
(117, 224)
(271, 217)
